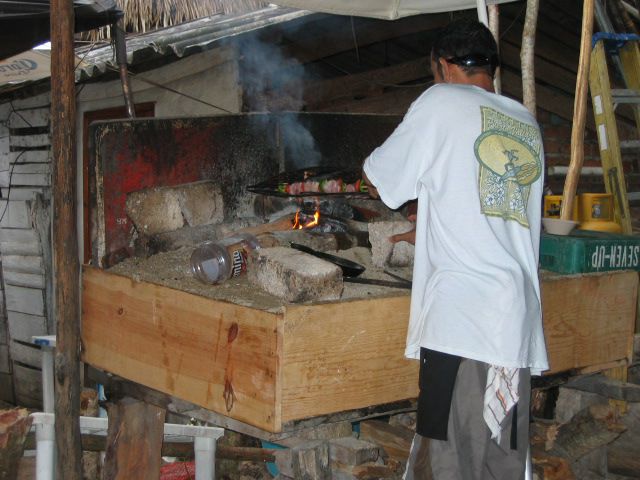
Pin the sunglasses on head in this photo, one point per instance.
(474, 60)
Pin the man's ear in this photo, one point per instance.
(446, 72)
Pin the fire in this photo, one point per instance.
(299, 224)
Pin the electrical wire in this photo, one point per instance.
(172, 90)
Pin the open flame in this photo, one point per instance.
(306, 221)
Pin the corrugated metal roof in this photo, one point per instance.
(184, 39)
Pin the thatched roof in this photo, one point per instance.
(146, 15)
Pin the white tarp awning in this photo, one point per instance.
(384, 9)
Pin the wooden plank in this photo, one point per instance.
(589, 319)
(25, 300)
(394, 102)
(31, 280)
(30, 156)
(23, 167)
(40, 140)
(35, 117)
(349, 86)
(22, 263)
(8, 177)
(346, 355)
(23, 326)
(14, 215)
(6, 388)
(26, 354)
(20, 192)
(5, 366)
(192, 347)
(28, 386)
(134, 441)
(19, 241)
(39, 101)
(546, 71)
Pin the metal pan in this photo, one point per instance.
(349, 268)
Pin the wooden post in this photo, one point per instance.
(579, 113)
(527, 56)
(65, 243)
(494, 26)
(134, 441)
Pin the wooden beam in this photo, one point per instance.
(98, 443)
(527, 55)
(367, 32)
(396, 101)
(579, 114)
(65, 242)
(347, 87)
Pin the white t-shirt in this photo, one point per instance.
(474, 161)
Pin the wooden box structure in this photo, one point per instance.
(267, 368)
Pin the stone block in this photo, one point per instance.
(326, 431)
(364, 471)
(155, 210)
(201, 203)
(571, 401)
(407, 420)
(352, 451)
(308, 460)
(294, 276)
(164, 209)
(395, 441)
(383, 251)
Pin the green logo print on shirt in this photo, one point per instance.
(509, 155)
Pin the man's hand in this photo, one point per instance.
(373, 191)
(409, 237)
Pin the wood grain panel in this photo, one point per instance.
(215, 354)
(589, 319)
(341, 356)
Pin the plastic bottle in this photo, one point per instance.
(216, 262)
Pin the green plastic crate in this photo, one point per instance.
(587, 251)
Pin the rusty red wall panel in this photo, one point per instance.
(233, 150)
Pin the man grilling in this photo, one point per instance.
(473, 160)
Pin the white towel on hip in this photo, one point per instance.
(500, 395)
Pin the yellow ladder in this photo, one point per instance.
(605, 99)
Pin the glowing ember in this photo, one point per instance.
(305, 222)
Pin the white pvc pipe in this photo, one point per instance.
(204, 442)
(45, 451)
(47, 380)
(205, 453)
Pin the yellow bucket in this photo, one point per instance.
(552, 204)
(596, 212)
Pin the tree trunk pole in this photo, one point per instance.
(65, 243)
(527, 56)
(494, 26)
(579, 113)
